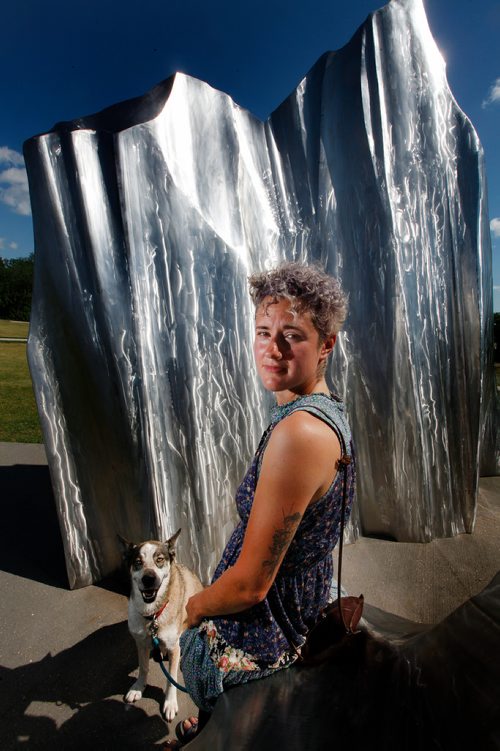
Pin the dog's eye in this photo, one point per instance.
(137, 563)
(160, 561)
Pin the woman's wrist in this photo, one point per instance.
(194, 609)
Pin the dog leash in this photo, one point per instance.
(157, 653)
(158, 657)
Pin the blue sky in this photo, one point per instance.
(61, 60)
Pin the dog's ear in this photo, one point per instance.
(170, 543)
(126, 546)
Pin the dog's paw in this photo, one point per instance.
(170, 709)
(134, 694)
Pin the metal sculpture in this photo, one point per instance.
(148, 218)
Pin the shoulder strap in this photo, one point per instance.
(338, 424)
(342, 465)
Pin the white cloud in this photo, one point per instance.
(14, 182)
(493, 95)
(495, 227)
(15, 175)
(9, 156)
(4, 244)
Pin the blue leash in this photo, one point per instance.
(158, 658)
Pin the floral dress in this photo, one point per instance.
(231, 649)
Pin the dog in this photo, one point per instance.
(160, 589)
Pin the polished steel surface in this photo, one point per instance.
(148, 218)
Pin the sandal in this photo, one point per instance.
(184, 735)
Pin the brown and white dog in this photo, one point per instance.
(160, 589)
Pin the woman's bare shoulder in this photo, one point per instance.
(303, 431)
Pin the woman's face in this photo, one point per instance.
(287, 348)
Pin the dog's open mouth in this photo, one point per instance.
(148, 595)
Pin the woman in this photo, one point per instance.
(276, 570)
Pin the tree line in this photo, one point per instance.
(16, 284)
(496, 336)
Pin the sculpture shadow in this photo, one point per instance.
(29, 514)
(90, 679)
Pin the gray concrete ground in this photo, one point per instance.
(66, 658)
(426, 581)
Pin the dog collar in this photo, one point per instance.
(157, 614)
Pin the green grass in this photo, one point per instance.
(14, 329)
(18, 414)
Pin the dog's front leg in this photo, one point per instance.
(136, 690)
(170, 707)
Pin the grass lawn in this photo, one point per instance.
(18, 414)
(14, 329)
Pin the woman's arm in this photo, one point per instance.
(297, 469)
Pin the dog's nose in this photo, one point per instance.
(148, 580)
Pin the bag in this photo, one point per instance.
(337, 623)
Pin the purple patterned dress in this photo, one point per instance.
(239, 647)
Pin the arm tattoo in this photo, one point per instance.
(281, 540)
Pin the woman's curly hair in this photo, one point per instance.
(309, 289)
